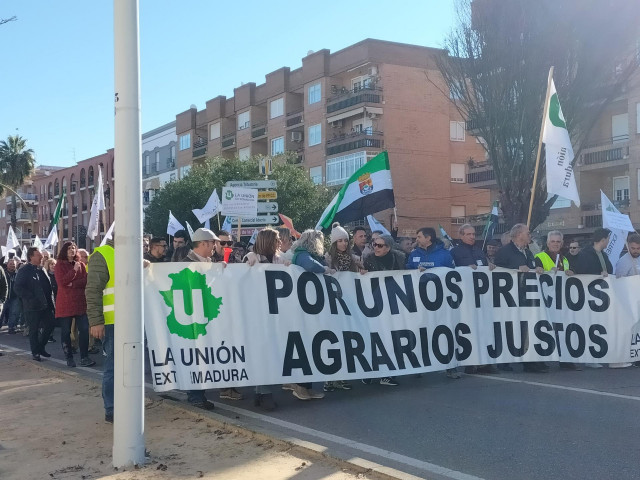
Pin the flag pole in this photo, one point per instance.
(544, 118)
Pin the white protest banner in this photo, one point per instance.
(173, 225)
(611, 216)
(240, 202)
(203, 333)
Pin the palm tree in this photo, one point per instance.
(16, 165)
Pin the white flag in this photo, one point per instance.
(210, 209)
(174, 225)
(374, 224)
(23, 257)
(226, 225)
(611, 216)
(96, 206)
(52, 239)
(108, 235)
(252, 240)
(190, 230)
(12, 240)
(561, 179)
(38, 243)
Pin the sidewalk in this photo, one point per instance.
(52, 427)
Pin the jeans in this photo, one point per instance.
(82, 322)
(12, 311)
(107, 377)
(33, 320)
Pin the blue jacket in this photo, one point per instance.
(434, 256)
(305, 260)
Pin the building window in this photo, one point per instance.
(620, 127)
(458, 214)
(215, 131)
(184, 171)
(315, 134)
(244, 153)
(621, 189)
(315, 173)
(146, 165)
(185, 141)
(276, 108)
(244, 120)
(157, 162)
(339, 169)
(277, 146)
(456, 131)
(173, 153)
(458, 173)
(315, 93)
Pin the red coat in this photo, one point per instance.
(71, 300)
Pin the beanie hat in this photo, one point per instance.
(338, 233)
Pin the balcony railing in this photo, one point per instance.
(295, 118)
(228, 140)
(592, 221)
(353, 141)
(605, 155)
(481, 175)
(354, 97)
(471, 125)
(259, 130)
(171, 163)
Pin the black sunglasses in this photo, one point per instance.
(225, 242)
(379, 245)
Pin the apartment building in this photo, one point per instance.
(27, 201)
(609, 162)
(158, 160)
(79, 182)
(339, 110)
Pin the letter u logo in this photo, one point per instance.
(189, 307)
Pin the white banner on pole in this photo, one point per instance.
(240, 202)
(352, 326)
(210, 209)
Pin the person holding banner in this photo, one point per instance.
(629, 265)
(466, 254)
(593, 260)
(430, 252)
(516, 256)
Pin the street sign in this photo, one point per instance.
(239, 201)
(257, 220)
(267, 195)
(267, 207)
(253, 184)
(245, 232)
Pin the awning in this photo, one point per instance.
(151, 184)
(347, 114)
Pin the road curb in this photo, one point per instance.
(350, 463)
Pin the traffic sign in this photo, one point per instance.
(267, 207)
(253, 184)
(267, 195)
(245, 232)
(257, 220)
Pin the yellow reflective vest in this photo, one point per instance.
(108, 294)
(548, 263)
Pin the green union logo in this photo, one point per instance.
(192, 304)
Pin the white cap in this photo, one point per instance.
(203, 234)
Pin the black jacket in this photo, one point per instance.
(510, 257)
(465, 255)
(33, 287)
(374, 264)
(587, 262)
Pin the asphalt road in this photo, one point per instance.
(565, 425)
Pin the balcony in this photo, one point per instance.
(605, 151)
(354, 141)
(22, 216)
(481, 175)
(350, 98)
(171, 163)
(74, 210)
(228, 141)
(592, 221)
(295, 118)
(259, 131)
(473, 127)
(199, 147)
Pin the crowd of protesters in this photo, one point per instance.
(44, 292)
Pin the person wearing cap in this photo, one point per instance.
(204, 242)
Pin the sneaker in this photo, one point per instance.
(44, 353)
(342, 385)
(453, 373)
(51, 340)
(366, 381)
(389, 381)
(300, 392)
(36, 357)
(231, 394)
(108, 417)
(315, 395)
(265, 401)
(328, 387)
(87, 362)
(71, 362)
(288, 386)
(619, 365)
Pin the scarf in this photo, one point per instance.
(343, 261)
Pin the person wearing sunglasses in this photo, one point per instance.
(224, 241)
